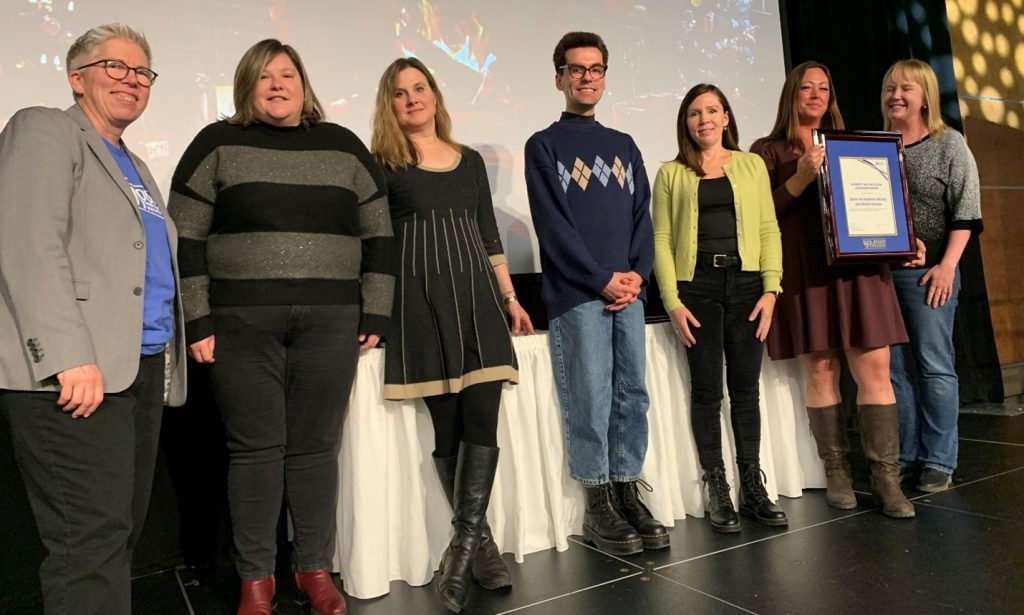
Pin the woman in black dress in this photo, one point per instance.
(451, 345)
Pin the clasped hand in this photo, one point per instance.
(623, 289)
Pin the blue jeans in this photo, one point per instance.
(599, 360)
(929, 402)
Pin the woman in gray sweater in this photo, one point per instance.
(944, 190)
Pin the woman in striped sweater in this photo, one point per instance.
(285, 278)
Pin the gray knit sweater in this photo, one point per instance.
(944, 189)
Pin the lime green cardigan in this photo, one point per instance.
(675, 224)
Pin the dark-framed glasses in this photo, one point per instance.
(576, 71)
(116, 69)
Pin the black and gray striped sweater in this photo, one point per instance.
(281, 216)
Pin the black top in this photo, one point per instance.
(716, 219)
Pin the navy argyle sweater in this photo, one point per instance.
(589, 198)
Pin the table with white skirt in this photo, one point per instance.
(393, 520)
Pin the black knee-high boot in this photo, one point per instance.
(474, 477)
(489, 569)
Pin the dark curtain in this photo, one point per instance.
(858, 41)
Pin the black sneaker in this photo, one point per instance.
(909, 473)
(933, 481)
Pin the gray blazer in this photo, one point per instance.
(72, 257)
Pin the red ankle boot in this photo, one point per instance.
(257, 597)
(324, 597)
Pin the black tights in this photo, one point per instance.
(470, 415)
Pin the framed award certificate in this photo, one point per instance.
(865, 203)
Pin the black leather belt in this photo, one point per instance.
(718, 260)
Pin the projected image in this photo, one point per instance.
(492, 60)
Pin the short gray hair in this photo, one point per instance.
(86, 44)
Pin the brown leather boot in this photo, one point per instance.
(879, 433)
(323, 595)
(829, 432)
(257, 597)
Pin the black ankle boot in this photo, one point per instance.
(627, 500)
(604, 526)
(754, 500)
(489, 569)
(720, 511)
(474, 476)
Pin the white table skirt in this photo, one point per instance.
(393, 521)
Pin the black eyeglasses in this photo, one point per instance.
(576, 71)
(116, 69)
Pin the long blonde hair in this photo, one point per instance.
(248, 73)
(787, 121)
(389, 144)
(922, 74)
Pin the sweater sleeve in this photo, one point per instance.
(963, 192)
(485, 211)
(771, 238)
(378, 264)
(665, 239)
(641, 246)
(554, 223)
(191, 205)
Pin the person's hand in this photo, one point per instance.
(81, 390)
(202, 351)
(682, 320)
(809, 163)
(521, 324)
(633, 279)
(620, 291)
(368, 341)
(918, 260)
(940, 280)
(764, 308)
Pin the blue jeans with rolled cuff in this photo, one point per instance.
(599, 359)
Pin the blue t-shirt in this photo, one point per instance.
(158, 295)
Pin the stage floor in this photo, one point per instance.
(963, 553)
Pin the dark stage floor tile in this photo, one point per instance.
(993, 428)
(541, 576)
(693, 536)
(1000, 497)
(942, 561)
(158, 594)
(977, 460)
(646, 594)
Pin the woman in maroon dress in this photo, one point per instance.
(827, 310)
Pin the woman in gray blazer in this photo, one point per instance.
(90, 321)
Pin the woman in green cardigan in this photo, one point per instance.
(718, 259)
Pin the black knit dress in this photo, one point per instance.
(451, 330)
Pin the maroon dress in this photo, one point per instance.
(822, 307)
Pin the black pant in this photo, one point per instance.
(88, 482)
(470, 415)
(282, 376)
(722, 299)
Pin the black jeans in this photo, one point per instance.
(88, 482)
(722, 298)
(282, 376)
